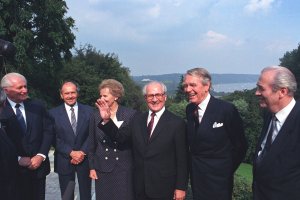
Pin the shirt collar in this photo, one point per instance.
(13, 104)
(69, 107)
(283, 113)
(204, 103)
(157, 114)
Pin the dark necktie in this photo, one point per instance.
(20, 118)
(196, 117)
(150, 124)
(73, 120)
(268, 140)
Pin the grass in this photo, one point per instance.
(245, 170)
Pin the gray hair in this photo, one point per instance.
(283, 78)
(7, 79)
(201, 73)
(163, 86)
(2, 97)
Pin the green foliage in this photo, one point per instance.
(242, 189)
(43, 38)
(291, 60)
(248, 107)
(178, 108)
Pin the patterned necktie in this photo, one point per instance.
(270, 134)
(269, 140)
(150, 124)
(73, 120)
(20, 118)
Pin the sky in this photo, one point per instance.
(153, 37)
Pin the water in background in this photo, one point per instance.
(231, 87)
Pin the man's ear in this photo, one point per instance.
(283, 92)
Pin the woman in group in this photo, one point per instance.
(110, 162)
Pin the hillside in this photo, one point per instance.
(172, 80)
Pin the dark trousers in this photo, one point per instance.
(29, 187)
(84, 184)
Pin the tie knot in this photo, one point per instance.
(72, 109)
(274, 118)
(153, 114)
(17, 105)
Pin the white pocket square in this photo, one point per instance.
(217, 125)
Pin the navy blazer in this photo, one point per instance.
(66, 140)
(277, 176)
(38, 136)
(106, 154)
(160, 164)
(217, 147)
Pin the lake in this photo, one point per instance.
(231, 87)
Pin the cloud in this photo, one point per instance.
(214, 39)
(257, 5)
(154, 11)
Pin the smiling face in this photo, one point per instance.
(17, 92)
(267, 97)
(194, 88)
(69, 93)
(155, 97)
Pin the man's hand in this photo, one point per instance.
(36, 162)
(77, 157)
(93, 174)
(24, 161)
(104, 110)
(179, 195)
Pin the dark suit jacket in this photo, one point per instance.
(277, 176)
(160, 164)
(38, 137)
(216, 150)
(66, 140)
(8, 166)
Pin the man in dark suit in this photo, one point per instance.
(215, 136)
(30, 129)
(8, 159)
(276, 167)
(158, 143)
(71, 125)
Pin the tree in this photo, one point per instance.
(248, 107)
(43, 38)
(89, 67)
(291, 60)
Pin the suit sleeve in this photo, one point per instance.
(181, 156)
(237, 137)
(121, 135)
(47, 131)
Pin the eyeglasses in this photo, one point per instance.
(151, 96)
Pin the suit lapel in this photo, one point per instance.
(29, 116)
(64, 117)
(81, 116)
(144, 130)
(282, 138)
(159, 126)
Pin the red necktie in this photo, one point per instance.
(150, 124)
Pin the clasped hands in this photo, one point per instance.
(77, 157)
(31, 163)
